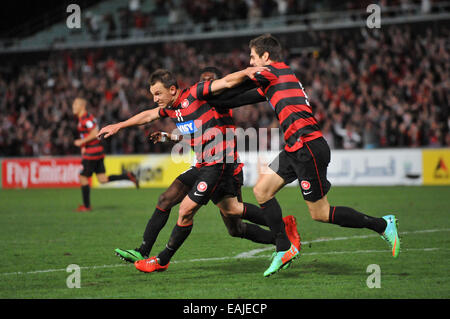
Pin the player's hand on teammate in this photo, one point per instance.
(108, 130)
(252, 70)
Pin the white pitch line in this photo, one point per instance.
(252, 253)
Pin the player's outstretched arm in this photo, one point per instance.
(138, 119)
(234, 79)
(245, 98)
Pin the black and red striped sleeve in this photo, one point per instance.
(201, 90)
(162, 113)
(262, 79)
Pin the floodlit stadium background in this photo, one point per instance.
(371, 88)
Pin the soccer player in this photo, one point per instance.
(195, 118)
(181, 185)
(306, 154)
(92, 154)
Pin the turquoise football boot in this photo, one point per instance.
(390, 234)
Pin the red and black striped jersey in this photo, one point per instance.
(210, 132)
(93, 150)
(227, 115)
(286, 95)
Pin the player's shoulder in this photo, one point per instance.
(88, 120)
(280, 67)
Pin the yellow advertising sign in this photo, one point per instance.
(436, 166)
(157, 170)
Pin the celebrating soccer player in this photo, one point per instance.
(183, 183)
(217, 157)
(306, 154)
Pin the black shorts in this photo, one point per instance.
(92, 166)
(189, 176)
(213, 183)
(308, 165)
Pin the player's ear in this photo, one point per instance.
(266, 56)
(173, 90)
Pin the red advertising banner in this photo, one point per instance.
(41, 172)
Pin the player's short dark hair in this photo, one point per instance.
(165, 77)
(267, 43)
(212, 69)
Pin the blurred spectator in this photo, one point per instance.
(92, 23)
(254, 14)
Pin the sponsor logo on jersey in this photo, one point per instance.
(187, 127)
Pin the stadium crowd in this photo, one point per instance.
(367, 88)
(135, 20)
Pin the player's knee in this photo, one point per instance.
(260, 194)
(236, 230)
(84, 180)
(164, 201)
(185, 217)
(231, 207)
(319, 214)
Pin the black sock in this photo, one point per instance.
(154, 226)
(177, 238)
(348, 217)
(112, 178)
(254, 214)
(85, 191)
(274, 219)
(258, 235)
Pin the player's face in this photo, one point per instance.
(161, 95)
(256, 60)
(207, 76)
(76, 107)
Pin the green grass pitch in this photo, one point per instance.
(41, 235)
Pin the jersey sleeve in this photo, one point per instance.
(162, 113)
(201, 90)
(249, 97)
(90, 124)
(262, 79)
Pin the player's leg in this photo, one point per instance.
(269, 183)
(208, 179)
(315, 186)
(181, 231)
(179, 234)
(235, 226)
(85, 173)
(100, 172)
(265, 190)
(173, 195)
(343, 216)
(120, 177)
(239, 229)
